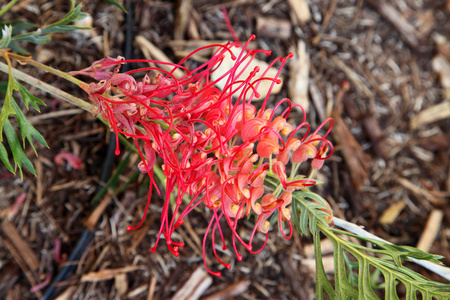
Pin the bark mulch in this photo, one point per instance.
(381, 69)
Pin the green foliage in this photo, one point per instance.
(11, 32)
(26, 129)
(19, 155)
(307, 214)
(374, 268)
(4, 158)
(28, 98)
(7, 108)
(11, 36)
(116, 3)
(10, 107)
(6, 37)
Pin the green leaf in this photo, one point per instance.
(7, 108)
(34, 37)
(26, 129)
(65, 29)
(114, 2)
(322, 282)
(6, 37)
(18, 49)
(344, 286)
(311, 213)
(3, 87)
(19, 156)
(367, 279)
(42, 36)
(18, 25)
(28, 98)
(4, 158)
(61, 26)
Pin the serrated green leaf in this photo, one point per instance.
(5, 159)
(7, 108)
(26, 129)
(116, 3)
(18, 155)
(28, 98)
(6, 37)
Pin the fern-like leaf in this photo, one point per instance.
(7, 108)
(310, 213)
(4, 158)
(387, 262)
(27, 131)
(19, 155)
(28, 98)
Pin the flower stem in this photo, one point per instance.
(48, 88)
(30, 61)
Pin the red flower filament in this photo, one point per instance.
(217, 147)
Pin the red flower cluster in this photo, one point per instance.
(218, 148)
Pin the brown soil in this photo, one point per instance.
(385, 156)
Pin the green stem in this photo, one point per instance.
(7, 7)
(48, 88)
(47, 69)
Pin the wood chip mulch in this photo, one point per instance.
(381, 69)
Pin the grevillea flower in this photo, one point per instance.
(217, 148)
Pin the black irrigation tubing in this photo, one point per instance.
(86, 237)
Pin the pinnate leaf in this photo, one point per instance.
(19, 155)
(26, 129)
(7, 108)
(28, 98)
(4, 158)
